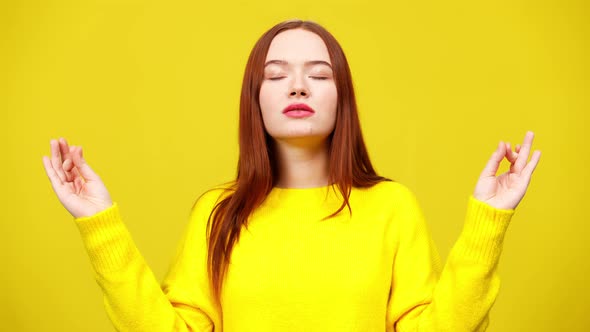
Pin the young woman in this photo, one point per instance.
(308, 237)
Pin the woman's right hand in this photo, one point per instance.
(77, 187)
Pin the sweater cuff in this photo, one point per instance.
(107, 240)
(483, 232)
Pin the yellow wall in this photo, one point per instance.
(150, 90)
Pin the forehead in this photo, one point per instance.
(298, 45)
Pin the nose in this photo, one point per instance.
(298, 88)
(299, 91)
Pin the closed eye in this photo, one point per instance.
(313, 77)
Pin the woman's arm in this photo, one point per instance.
(133, 298)
(458, 297)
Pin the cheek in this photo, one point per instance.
(265, 100)
(268, 103)
(331, 100)
(263, 96)
(333, 105)
(267, 97)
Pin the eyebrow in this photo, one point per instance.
(307, 63)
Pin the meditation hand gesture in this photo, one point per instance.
(78, 188)
(508, 189)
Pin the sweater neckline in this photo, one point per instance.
(304, 197)
(294, 189)
(305, 193)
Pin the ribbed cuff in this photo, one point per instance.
(107, 240)
(483, 233)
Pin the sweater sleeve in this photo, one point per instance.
(427, 298)
(133, 299)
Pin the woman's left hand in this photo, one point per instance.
(507, 190)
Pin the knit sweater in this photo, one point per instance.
(376, 269)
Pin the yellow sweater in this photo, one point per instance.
(378, 270)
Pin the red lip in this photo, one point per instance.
(302, 107)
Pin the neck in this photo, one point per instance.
(302, 164)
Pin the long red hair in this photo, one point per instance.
(349, 163)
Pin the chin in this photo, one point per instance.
(300, 130)
(301, 138)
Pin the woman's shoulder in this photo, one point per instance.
(213, 195)
(390, 194)
(390, 188)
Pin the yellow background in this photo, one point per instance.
(150, 90)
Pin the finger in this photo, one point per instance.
(63, 148)
(510, 155)
(56, 161)
(79, 180)
(84, 169)
(65, 156)
(530, 167)
(523, 155)
(71, 153)
(76, 150)
(55, 180)
(494, 161)
(517, 148)
(68, 165)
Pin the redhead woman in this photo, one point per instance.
(307, 237)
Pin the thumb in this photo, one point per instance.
(494, 161)
(82, 166)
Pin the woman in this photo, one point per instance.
(276, 249)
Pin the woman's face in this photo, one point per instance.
(298, 71)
